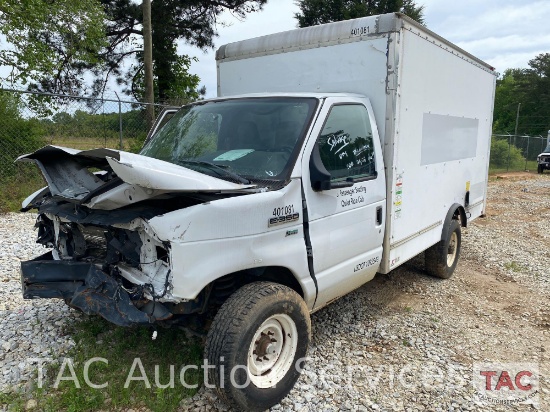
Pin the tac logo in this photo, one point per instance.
(506, 383)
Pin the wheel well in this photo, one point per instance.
(284, 276)
(220, 289)
(460, 214)
(456, 212)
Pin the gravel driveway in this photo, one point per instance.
(404, 341)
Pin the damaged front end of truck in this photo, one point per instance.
(105, 259)
(130, 234)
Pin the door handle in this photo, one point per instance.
(379, 215)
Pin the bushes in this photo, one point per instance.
(505, 156)
(17, 136)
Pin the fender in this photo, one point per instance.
(453, 213)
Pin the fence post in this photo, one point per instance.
(527, 152)
(119, 121)
(509, 148)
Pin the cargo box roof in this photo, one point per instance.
(329, 34)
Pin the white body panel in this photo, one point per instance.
(441, 141)
(431, 100)
(216, 238)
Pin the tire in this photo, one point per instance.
(441, 259)
(242, 328)
(540, 169)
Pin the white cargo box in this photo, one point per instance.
(432, 102)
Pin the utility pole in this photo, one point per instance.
(148, 64)
(517, 121)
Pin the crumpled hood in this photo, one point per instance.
(68, 176)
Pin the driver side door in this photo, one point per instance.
(346, 213)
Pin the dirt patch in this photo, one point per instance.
(514, 175)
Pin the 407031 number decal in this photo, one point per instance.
(283, 211)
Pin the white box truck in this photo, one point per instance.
(331, 153)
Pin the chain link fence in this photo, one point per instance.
(515, 153)
(30, 120)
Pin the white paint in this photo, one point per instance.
(157, 174)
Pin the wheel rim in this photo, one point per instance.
(272, 351)
(451, 251)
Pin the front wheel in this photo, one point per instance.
(441, 259)
(257, 344)
(540, 169)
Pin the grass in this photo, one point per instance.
(85, 143)
(513, 266)
(161, 359)
(519, 167)
(15, 189)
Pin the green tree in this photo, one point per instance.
(531, 88)
(57, 42)
(193, 21)
(313, 12)
(51, 41)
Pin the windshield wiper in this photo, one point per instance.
(216, 167)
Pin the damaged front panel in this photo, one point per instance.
(120, 178)
(85, 286)
(102, 259)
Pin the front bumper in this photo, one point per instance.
(86, 287)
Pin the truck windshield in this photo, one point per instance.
(240, 140)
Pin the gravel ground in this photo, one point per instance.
(403, 342)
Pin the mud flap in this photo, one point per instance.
(86, 287)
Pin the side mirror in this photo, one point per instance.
(319, 175)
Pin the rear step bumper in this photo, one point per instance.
(86, 287)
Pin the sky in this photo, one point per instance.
(504, 33)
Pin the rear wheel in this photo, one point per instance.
(441, 259)
(256, 339)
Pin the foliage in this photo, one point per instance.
(193, 21)
(531, 88)
(57, 42)
(18, 136)
(501, 152)
(183, 89)
(52, 41)
(313, 12)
